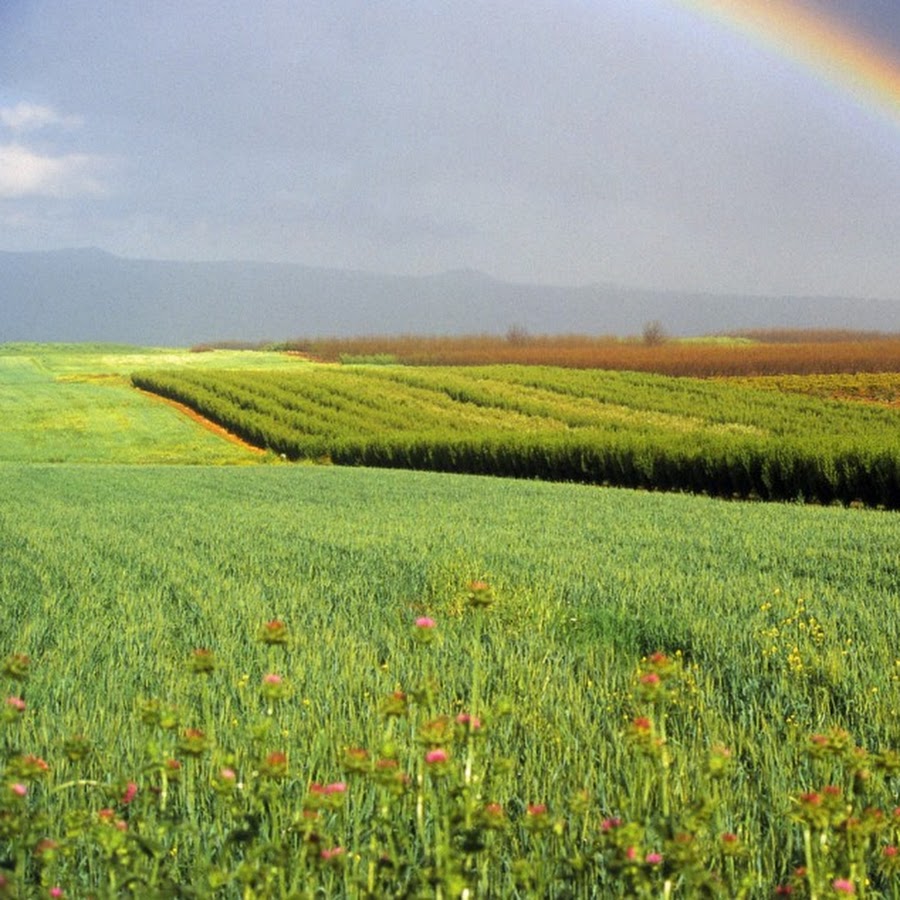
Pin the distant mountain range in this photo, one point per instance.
(90, 295)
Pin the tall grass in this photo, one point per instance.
(780, 622)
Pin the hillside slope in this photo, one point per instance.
(89, 295)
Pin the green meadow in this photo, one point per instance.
(75, 404)
(282, 680)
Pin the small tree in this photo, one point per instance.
(654, 334)
(517, 335)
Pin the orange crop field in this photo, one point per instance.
(765, 353)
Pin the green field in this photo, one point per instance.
(778, 621)
(621, 428)
(75, 403)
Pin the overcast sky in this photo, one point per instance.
(642, 142)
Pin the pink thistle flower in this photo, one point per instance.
(650, 678)
(610, 824)
(19, 789)
(631, 853)
(471, 722)
(537, 817)
(227, 774)
(275, 687)
(16, 665)
(130, 792)
(193, 742)
(493, 816)
(336, 787)
(653, 859)
(730, 843)
(356, 759)
(436, 757)
(424, 630)
(16, 703)
(56, 892)
(333, 854)
(202, 661)
(28, 766)
(890, 851)
(275, 765)
(273, 632)
(480, 594)
(45, 846)
(394, 704)
(843, 886)
(641, 723)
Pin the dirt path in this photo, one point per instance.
(205, 423)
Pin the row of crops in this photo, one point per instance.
(621, 428)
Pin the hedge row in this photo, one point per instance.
(654, 433)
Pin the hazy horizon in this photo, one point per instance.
(461, 271)
(93, 295)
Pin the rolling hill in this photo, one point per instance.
(91, 295)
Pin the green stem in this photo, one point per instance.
(189, 777)
(664, 762)
(810, 868)
(419, 776)
(206, 711)
(163, 789)
(80, 782)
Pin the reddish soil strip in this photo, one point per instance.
(205, 423)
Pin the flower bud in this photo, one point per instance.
(273, 632)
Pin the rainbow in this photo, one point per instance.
(850, 60)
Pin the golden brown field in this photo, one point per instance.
(766, 353)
